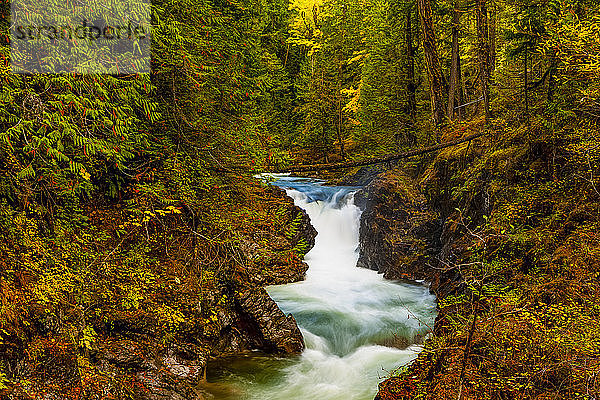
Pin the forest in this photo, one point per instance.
(131, 218)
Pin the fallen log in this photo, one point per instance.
(376, 160)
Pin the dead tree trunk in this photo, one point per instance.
(455, 66)
(526, 84)
(375, 160)
(461, 92)
(484, 55)
(551, 77)
(340, 122)
(492, 37)
(437, 83)
(410, 54)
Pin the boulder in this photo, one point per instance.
(265, 326)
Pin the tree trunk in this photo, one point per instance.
(410, 53)
(492, 38)
(484, 55)
(455, 67)
(461, 91)
(552, 77)
(340, 112)
(526, 85)
(437, 83)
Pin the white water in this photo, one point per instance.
(347, 315)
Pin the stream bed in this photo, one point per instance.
(358, 327)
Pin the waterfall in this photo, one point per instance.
(357, 326)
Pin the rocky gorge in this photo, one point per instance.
(447, 226)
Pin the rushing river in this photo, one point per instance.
(357, 326)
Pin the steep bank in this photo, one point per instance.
(508, 236)
(143, 316)
(402, 236)
(398, 231)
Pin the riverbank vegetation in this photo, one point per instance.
(126, 244)
(126, 199)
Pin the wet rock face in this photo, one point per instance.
(265, 326)
(398, 230)
(267, 265)
(257, 321)
(305, 232)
